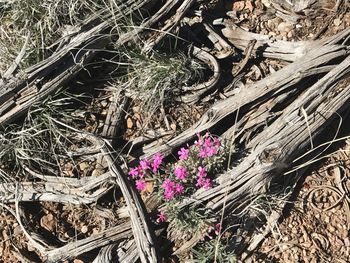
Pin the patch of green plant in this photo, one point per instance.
(41, 141)
(213, 251)
(157, 78)
(43, 21)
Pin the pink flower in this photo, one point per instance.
(198, 142)
(183, 153)
(140, 185)
(202, 172)
(200, 181)
(161, 217)
(202, 153)
(181, 173)
(169, 189)
(217, 229)
(157, 161)
(207, 183)
(135, 172)
(217, 142)
(168, 184)
(144, 164)
(211, 151)
(169, 194)
(207, 142)
(179, 189)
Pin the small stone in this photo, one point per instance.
(331, 228)
(78, 261)
(272, 33)
(291, 34)
(337, 22)
(238, 6)
(173, 126)
(249, 6)
(136, 109)
(347, 242)
(84, 229)
(83, 166)
(129, 123)
(285, 27)
(294, 231)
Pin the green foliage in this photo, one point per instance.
(213, 251)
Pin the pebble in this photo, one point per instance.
(84, 229)
(291, 34)
(129, 123)
(331, 228)
(83, 166)
(337, 22)
(285, 27)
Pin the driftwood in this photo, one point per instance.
(144, 238)
(254, 95)
(37, 82)
(56, 191)
(74, 249)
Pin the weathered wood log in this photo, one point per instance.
(38, 81)
(254, 95)
(74, 249)
(272, 48)
(57, 190)
(144, 237)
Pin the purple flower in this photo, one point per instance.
(202, 153)
(183, 153)
(144, 164)
(200, 181)
(161, 217)
(217, 142)
(135, 172)
(217, 229)
(168, 184)
(198, 142)
(181, 173)
(168, 195)
(207, 142)
(211, 151)
(157, 161)
(140, 185)
(207, 183)
(202, 172)
(179, 189)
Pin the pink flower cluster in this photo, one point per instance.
(207, 146)
(172, 189)
(143, 168)
(189, 172)
(202, 180)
